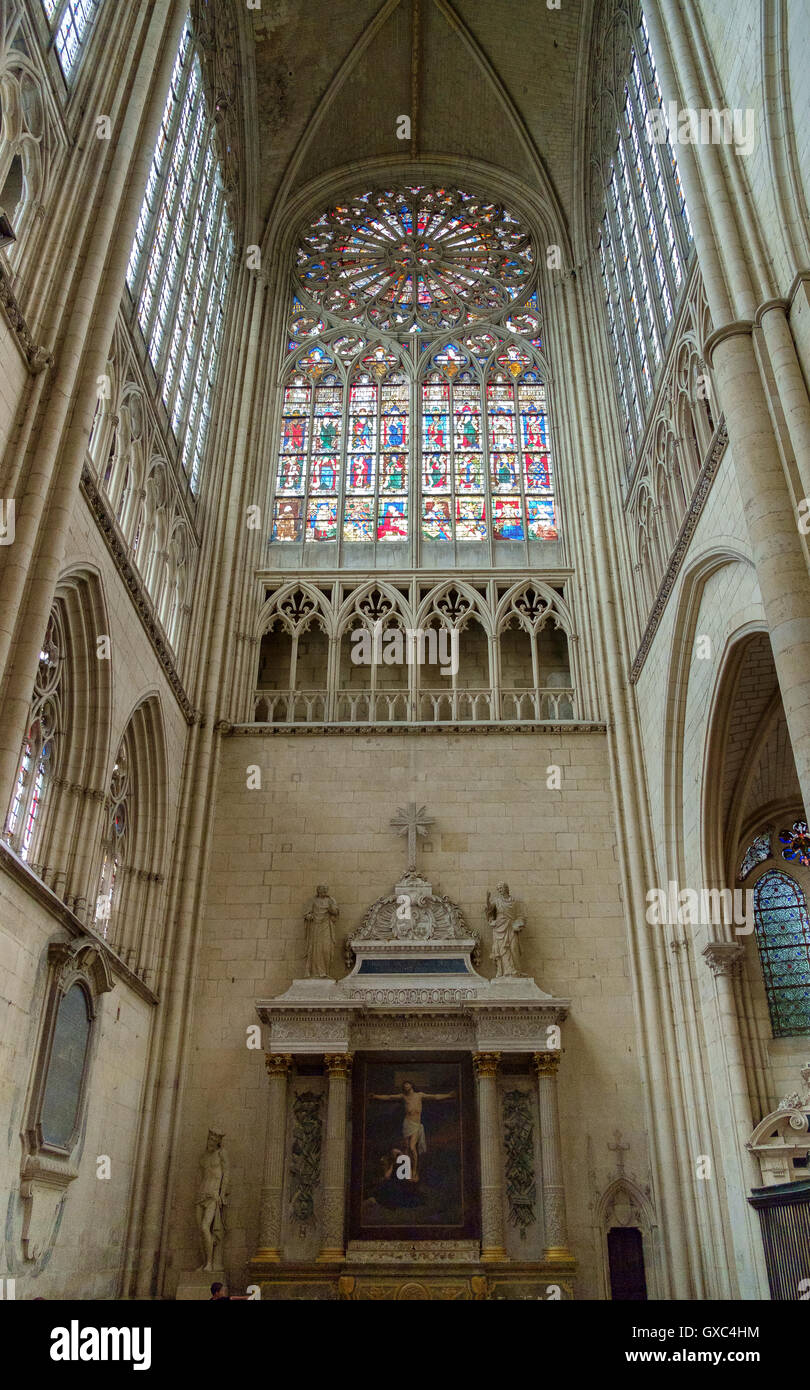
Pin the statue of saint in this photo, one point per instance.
(501, 912)
(320, 919)
(212, 1198)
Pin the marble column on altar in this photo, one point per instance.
(338, 1067)
(546, 1064)
(493, 1236)
(278, 1070)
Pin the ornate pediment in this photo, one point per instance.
(413, 912)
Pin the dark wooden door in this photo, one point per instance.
(626, 1257)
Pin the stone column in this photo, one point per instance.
(278, 1069)
(493, 1239)
(546, 1064)
(725, 960)
(338, 1067)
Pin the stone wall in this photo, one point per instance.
(322, 815)
(86, 1261)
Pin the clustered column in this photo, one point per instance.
(278, 1069)
(493, 1238)
(338, 1067)
(546, 1064)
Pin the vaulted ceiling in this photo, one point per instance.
(489, 80)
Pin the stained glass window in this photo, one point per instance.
(181, 258)
(797, 843)
(783, 937)
(37, 758)
(70, 22)
(415, 258)
(645, 235)
(433, 436)
(757, 852)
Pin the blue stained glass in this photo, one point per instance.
(783, 937)
(797, 843)
(758, 850)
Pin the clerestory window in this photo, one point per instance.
(70, 22)
(645, 236)
(181, 259)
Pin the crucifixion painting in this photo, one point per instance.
(413, 1148)
(413, 1129)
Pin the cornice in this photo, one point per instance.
(701, 492)
(576, 726)
(37, 358)
(115, 544)
(19, 871)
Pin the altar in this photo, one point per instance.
(413, 1143)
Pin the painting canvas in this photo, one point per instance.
(414, 1160)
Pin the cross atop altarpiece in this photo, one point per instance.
(412, 821)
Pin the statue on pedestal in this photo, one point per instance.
(501, 912)
(320, 918)
(212, 1198)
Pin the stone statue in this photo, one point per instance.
(212, 1198)
(795, 1101)
(501, 912)
(320, 918)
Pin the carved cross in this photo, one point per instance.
(411, 821)
(619, 1149)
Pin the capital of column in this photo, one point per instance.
(546, 1063)
(486, 1063)
(277, 1063)
(724, 957)
(338, 1063)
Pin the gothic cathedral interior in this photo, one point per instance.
(405, 649)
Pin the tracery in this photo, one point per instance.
(415, 405)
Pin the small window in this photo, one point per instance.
(758, 851)
(66, 1067)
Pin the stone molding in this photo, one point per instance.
(136, 589)
(277, 1063)
(576, 726)
(724, 957)
(72, 923)
(338, 1063)
(36, 357)
(546, 1063)
(690, 521)
(486, 1063)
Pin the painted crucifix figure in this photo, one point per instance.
(412, 821)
